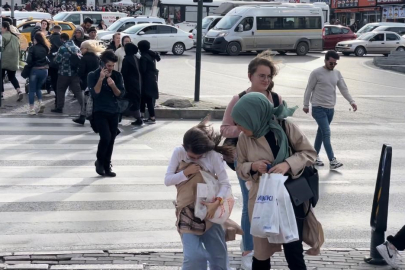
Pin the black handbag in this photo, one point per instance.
(25, 73)
(306, 187)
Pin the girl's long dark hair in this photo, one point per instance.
(41, 40)
(202, 138)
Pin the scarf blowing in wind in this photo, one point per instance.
(257, 114)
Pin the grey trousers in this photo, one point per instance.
(73, 82)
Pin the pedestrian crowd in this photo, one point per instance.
(54, 7)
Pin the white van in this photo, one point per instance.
(279, 27)
(208, 23)
(124, 23)
(24, 15)
(77, 17)
(398, 28)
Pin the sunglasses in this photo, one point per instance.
(332, 64)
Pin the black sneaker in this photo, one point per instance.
(20, 96)
(109, 172)
(150, 121)
(99, 168)
(138, 122)
(57, 110)
(80, 120)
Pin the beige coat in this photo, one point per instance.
(250, 150)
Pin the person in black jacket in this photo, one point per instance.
(79, 36)
(106, 87)
(38, 62)
(89, 62)
(149, 73)
(132, 81)
(56, 42)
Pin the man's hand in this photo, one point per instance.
(103, 72)
(354, 106)
(260, 166)
(306, 110)
(192, 169)
(110, 82)
(211, 208)
(281, 168)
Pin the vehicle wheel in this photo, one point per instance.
(302, 49)
(163, 53)
(401, 49)
(360, 51)
(233, 49)
(346, 54)
(178, 48)
(215, 52)
(282, 52)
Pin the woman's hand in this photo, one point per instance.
(192, 169)
(281, 168)
(211, 208)
(260, 166)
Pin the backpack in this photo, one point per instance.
(74, 59)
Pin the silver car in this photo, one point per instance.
(376, 42)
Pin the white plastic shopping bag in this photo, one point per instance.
(200, 210)
(265, 218)
(224, 211)
(288, 224)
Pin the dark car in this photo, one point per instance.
(333, 34)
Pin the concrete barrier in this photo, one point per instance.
(394, 61)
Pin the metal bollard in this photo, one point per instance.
(379, 212)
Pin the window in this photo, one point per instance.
(345, 31)
(172, 14)
(165, 29)
(159, 23)
(336, 31)
(392, 37)
(379, 37)
(247, 24)
(125, 26)
(214, 23)
(277, 23)
(399, 30)
(150, 30)
(27, 28)
(95, 17)
(65, 26)
(74, 18)
(327, 31)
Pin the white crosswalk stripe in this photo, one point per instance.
(52, 199)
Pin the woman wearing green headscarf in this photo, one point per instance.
(263, 141)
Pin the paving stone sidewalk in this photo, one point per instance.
(170, 260)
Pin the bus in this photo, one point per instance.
(183, 13)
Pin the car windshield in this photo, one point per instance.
(59, 17)
(134, 29)
(366, 36)
(227, 22)
(206, 22)
(367, 28)
(114, 26)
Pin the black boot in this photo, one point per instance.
(57, 110)
(108, 170)
(80, 120)
(261, 265)
(99, 168)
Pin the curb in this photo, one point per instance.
(196, 114)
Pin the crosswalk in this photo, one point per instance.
(52, 199)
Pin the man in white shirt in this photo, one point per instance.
(321, 92)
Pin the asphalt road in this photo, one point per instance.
(51, 199)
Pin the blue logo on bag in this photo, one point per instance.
(264, 198)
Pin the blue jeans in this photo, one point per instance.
(214, 250)
(323, 117)
(247, 238)
(37, 79)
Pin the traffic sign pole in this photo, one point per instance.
(198, 52)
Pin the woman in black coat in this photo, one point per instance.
(132, 81)
(149, 73)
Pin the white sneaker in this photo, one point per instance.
(31, 112)
(247, 261)
(334, 164)
(319, 162)
(41, 108)
(389, 254)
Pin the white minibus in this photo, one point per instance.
(77, 17)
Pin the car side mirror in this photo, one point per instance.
(371, 40)
(141, 33)
(240, 28)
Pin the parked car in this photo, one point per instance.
(208, 23)
(377, 42)
(26, 27)
(382, 26)
(333, 34)
(78, 17)
(126, 22)
(162, 38)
